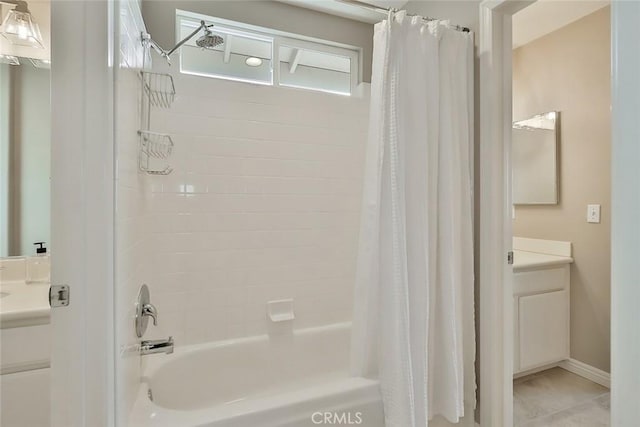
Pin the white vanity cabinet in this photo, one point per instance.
(541, 318)
(541, 284)
(25, 342)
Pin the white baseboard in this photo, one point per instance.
(535, 370)
(587, 371)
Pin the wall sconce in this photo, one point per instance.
(18, 26)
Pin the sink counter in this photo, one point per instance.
(23, 304)
(525, 261)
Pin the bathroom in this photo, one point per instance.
(561, 156)
(213, 186)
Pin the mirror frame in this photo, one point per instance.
(556, 159)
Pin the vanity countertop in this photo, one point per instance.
(23, 304)
(525, 260)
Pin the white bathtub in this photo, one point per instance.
(296, 380)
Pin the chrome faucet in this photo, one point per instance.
(150, 310)
(144, 310)
(156, 346)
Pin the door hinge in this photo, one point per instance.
(59, 296)
(510, 257)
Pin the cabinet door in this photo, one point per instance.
(543, 328)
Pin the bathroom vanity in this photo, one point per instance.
(25, 349)
(541, 284)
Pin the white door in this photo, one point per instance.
(82, 212)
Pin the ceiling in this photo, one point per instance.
(535, 21)
(357, 13)
(546, 16)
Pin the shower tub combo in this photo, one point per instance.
(292, 380)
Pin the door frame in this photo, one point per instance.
(496, 298)
(82, 212)
(625, 210)
(496, 319)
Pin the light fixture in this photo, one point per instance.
(252, 61)
(18, 26)
(41, 63)
(9, 59)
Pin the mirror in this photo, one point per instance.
(25, 153)
(534, 153)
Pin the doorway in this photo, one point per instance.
(496, 299)
(561, 195)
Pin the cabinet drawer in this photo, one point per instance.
(537, 281)
(25, 348)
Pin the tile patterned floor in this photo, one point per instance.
(558, 398)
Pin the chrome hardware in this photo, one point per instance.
(151, 311)
(144, 310)
(156, 346)
(59, 296)
(510, 257)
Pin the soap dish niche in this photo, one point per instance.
(280, 310)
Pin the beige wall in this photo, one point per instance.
(568, 71)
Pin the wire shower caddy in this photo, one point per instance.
(159, 88)
(155, 149)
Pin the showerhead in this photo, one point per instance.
(209, 40)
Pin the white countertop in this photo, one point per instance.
(524, 260)
(23, 304)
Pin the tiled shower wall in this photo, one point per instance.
(131, 216)
(132, 242)
(263, 204)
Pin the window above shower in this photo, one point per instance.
(269, 57)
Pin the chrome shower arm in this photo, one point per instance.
(148, 41)
(146, 38)
(203, 26)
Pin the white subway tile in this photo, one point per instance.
(263, 204)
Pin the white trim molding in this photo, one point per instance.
(496, 314)
(625, 210)
(82, 212)
(587, 371)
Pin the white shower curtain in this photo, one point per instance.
(413, 314)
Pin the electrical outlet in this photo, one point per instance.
(593, 214)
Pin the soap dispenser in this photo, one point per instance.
(39, 266)
(40, 250)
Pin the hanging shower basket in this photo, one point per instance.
(159, 88)
(155, 149)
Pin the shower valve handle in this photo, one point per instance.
(150, 310)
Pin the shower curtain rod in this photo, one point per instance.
(386, 10)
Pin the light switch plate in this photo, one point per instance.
(593, 214)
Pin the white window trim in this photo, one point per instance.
(279, 38)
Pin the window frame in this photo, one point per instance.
(278, 39)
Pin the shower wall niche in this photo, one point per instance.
(263, 204)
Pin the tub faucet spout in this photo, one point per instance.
(156, 346)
